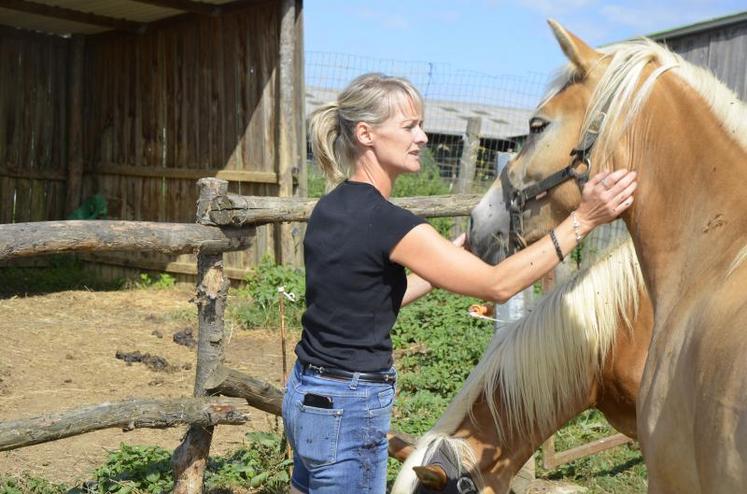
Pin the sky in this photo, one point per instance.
(494, 37)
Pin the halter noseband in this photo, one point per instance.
(518, 198)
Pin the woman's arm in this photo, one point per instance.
(444, 265)
(417, 286)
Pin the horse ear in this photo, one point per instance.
(432, 476)
(578, 52)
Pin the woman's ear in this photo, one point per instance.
(363, 134)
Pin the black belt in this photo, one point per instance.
(373, 377)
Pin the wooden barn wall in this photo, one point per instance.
(195, 96)
(722, 50)
(33, 89)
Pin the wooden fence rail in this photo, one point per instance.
(236, 217)
(227, 220)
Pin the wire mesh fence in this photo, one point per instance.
(472, 119)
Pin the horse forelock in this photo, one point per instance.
(458, 450)
(623, 93)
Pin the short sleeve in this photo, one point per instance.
(390, 224)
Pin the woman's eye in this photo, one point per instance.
(537, 125)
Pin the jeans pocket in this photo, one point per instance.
(317, 432)
(384, 402)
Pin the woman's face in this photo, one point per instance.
(397, 141)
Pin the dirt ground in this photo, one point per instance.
(58, 353)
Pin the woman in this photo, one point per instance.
(339, 396)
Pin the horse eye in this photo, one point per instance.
(537, 125)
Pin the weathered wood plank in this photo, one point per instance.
(128, 415)
(184, 173)
(233, 209)
(259, 394)
(75, 125)
(47, 237)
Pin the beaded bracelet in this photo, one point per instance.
(557, 245)
(576, 227)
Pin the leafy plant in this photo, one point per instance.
(134, 469)
(258, 303)
(29, 485)
(159, 282)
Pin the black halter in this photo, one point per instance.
(579, 168)
(449, 462)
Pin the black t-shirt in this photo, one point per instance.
(353, 290)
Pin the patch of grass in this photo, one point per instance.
(26, 484)
(259, 467)
(160, 281)
(617, 470)
(64, 272)
(257, 303)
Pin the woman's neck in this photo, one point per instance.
(371, 173)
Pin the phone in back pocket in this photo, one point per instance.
(318, 401)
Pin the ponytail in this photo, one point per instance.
(369, 98)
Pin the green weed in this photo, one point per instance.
(159, 281)
(257, 302)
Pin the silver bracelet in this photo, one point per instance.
(576, 227)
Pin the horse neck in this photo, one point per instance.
(499, 463)
(688, 219)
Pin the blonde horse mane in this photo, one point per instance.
(624, 94)
(545, 360)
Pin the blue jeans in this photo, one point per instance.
(343, 449)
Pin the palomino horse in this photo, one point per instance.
(638, 106)
(583, 346)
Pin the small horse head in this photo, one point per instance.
(443, 472)
(507, 218)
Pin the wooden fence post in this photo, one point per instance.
(467, 163)
(190, 458)
(74, 125)
(288, 117)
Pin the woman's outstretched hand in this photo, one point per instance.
(605, 197)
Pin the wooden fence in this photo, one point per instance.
(225, 222)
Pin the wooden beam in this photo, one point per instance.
(201, 8)
(236, 210)
(14, 171)
(259, 394)
(250, 176)
(141, 263)
(286, 124)
(54, 237)
(128, 415)
(73, 15)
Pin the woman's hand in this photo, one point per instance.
(605, 197)
(460, 240)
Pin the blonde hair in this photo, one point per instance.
(370, 98)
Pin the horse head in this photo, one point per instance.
(541, 185)
(443, 473)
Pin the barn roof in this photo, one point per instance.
(700, 26)
(66, 17)
(450, 117)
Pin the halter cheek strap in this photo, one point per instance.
(579, 168)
